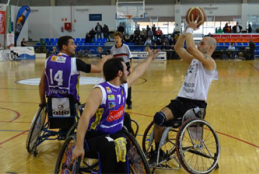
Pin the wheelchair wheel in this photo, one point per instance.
(64, 162)
(198, 147)
(36, 129)
(72, 130)
(148, 142)
(167, 145)
(137, 161)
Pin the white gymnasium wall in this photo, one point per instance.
(45, 22)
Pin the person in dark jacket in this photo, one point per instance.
(249, 28)
(237, 28)
(106, 32)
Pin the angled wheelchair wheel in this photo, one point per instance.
(64, 162)
(148, 141)
(167, 147)
(137, 160)
(36, 129)
(198, 147)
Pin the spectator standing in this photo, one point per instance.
(249, 28)
(227, 29)
(98, 29)
(88, 38)
(106, 32)
(251, 49)
(92, 33)
(159, 32)
(147, 29)
(154, 29)
(121, 28)
(237, 28)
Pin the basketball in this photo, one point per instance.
(195, 11)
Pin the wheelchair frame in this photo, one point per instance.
(39, 130)
(174, 143)
(91, 164)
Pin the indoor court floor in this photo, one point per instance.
(233, 111)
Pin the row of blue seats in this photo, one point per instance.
(244, 44)
(77, 40)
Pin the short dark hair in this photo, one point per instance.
(111, 68)
(117, 33)
(63, 40)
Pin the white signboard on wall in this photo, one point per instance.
(24, 52)
(143, 55)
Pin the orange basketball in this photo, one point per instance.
(195, 11)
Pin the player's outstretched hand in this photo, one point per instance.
(153, 53)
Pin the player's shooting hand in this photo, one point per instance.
(194, 23)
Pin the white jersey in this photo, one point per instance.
(123, 52)
(197, 81)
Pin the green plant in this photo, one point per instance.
(42, 48)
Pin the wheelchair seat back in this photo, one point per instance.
(61, 112)
(191, 113)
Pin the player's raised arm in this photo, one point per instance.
(141, 67)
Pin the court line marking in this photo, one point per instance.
(221, 133)
(13, 137)
(254, 66)
(15, 118)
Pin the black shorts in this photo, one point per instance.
(180, 106)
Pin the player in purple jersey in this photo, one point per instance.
(60, 75)
(103, 115)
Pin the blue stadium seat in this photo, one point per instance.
(52, 40)
(77, 40)
(56, 40)
(226, 43)
(83, 40)
(91, 43)
(46, 40)
(257, 44)
(37, 44)
(80, 44)
(96, 43)
(99, 40)
(101, 44)
(238, 44)
(245, 44)
(104, 40)
(85, 44)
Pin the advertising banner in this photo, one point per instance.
(22, 15)
(143, 55)
(24, 52)
(2, 22)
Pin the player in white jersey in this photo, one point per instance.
(121, 50)
(193, 93)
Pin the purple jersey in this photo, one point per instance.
(61, 76)
(110, 114)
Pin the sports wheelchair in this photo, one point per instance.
(188, 141)
(54, 127)
(136, 160)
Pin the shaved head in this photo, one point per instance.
(212, 42)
